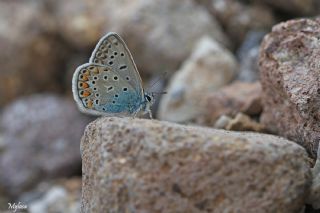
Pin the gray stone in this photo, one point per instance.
(248, 55)
(137, 165)
(42, 133)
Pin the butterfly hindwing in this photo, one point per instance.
(101, 90)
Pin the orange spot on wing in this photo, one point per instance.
(85, 85)
(86, 93)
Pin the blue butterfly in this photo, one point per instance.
(110, 83)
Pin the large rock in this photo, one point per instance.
(133, 165)
(41, 134)
(209, 68)
(289, 65)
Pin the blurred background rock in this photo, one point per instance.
(209, 48)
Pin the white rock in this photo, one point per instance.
(209, 68)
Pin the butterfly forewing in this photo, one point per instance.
(113, 52)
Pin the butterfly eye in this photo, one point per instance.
(148, 98)
(125, 89)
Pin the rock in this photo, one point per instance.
(165, 31)
(81, 23)
(314, 195)
(297, 7)
(152, 166)
(207, 69)
(33, 56)
(238, 18)
(57, 199)
(222, 122)
(243, 122)
(230, 100)
(289, 65)
(248, 55)
(42, 133)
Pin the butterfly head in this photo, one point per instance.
(149, 98)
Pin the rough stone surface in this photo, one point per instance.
(289, 65)
(238, 18)
(152, 166)
(229, 100)
(209, 68)
(42, 133)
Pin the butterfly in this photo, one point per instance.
(110, 83)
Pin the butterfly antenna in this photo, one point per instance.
(157, 81)
(158, 93)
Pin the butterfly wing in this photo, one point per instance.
(112, 51)
(100, 90)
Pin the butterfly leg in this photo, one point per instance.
(148, 110)
(150, 114)
(135, 113)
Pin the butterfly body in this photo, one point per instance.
(110, 84)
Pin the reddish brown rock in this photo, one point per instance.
(290, 77)
(231, 99)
